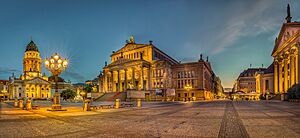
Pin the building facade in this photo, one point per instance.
(193, 80)
(4, 95)
(265, 81)
(31, 83)
(286, 55)
(246, 82)
(144, 67)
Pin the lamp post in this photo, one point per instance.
(56, 65)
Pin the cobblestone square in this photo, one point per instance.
(162, 119)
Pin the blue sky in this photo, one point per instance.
(233, 33)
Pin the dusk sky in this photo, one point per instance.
(233, 33)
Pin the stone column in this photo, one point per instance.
(292, 70)
(112, 81)
(276, 76)
(118, 89)
(125, 79)
(142, 77)
(297, 67)
(285, 74)
(149, 78)
(133, 78)
(105, 82)
(280, 77)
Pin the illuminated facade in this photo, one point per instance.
(31, 84)
(137, 67)
(265, 81)
(194, 80)
(286, 56)
(4, 89)
(246, 82)
(143, 67)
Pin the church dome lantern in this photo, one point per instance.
(31, 47)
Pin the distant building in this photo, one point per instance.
(246, 82)
(4, 89)
(144, 67)
(94, 84)
(286, 55)
(264, 80)
(195, 79)
(31, 83)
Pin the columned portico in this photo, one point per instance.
(286, 70)
(128, 75)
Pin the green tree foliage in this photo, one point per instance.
(294, 92)
(88, 88)
(68, 94)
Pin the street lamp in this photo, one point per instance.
(56, 65)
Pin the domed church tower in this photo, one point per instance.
(32, 62)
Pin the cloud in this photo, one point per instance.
(74, 76)
(8, 71)
(256, 20)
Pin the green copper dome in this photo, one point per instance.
(32, 47)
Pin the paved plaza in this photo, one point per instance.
(177, 119)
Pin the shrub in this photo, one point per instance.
(68, 94)
(294, 92)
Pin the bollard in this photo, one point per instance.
(21, 104)
(282, 97)
(139, 103)
(117, 103)
(28, 105)
(86, 106)
(267, 97)
(16, 103)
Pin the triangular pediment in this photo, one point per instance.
(37, 80)
(287, 33)
(129, 47)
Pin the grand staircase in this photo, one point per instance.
(108, 97)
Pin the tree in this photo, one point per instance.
(68, 94)
(294, 92)
(88, 88)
